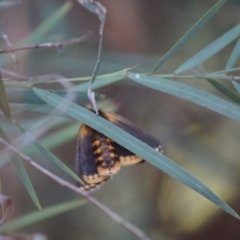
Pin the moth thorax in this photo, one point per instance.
(105, 155)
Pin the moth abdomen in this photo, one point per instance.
(105, 155)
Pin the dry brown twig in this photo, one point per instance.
(9, 75)
(10, 47)
(59, 45)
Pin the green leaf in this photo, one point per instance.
(26, 181)
(230, 94)
(35, 217)
(21, 107)
(49, 23)
(98, 83)
(56, 139)
(198, 25)
(234, 56)
(210, 50)
(4, 105)
(131, 143)
(102, 80)
(27, 96)
(237, 86)
(50, 156)
(23, 175)
(5, 158)
(189, 93)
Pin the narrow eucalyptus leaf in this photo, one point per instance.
(35, 217)
(4, 105)
(27, 96)
(210, 50)
(50, 156)
(22, 174)
(234, 56)
(26, 181)
(237, 86)
(133, 144)
(189, 93)
(50, 22)
(196, 27)
(227, 92)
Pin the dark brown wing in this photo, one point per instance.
(85, 163)
(127, 157)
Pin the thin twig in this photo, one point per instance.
(12, 75)
(100, 11)
(20, 77)
(13, 54)
(137, 232)
(8, 208)
(91, 94)
(48, 45)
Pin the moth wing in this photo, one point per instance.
(127, 157)
(85, 163)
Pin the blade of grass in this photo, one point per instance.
(227, 92)
(210, 50)
(23, 176)
(27, 96)
(4, 105)
(104, 79)
(234, 56)
(133, 144)
(198, 25)
(98, 83)
(5, 157)
(38, 34)
(56, 139)
(19, 108)
(188, 93)
(122, 222)
(26, 181)
(50, 156)
(237, 86)
(49, 23)
(36, 217)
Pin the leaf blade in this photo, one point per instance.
(26, 181)
(39, 216)
(189, 93)
(49, 23)
(198, 25)
(210, 50)
(4, 104)
(131, 143)
(227, 92)
(50, 156)
(237, 86)
(27, 96)
(23, 175)
(234, 56)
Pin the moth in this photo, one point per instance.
(98, 157)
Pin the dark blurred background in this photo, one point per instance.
(203, 142)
